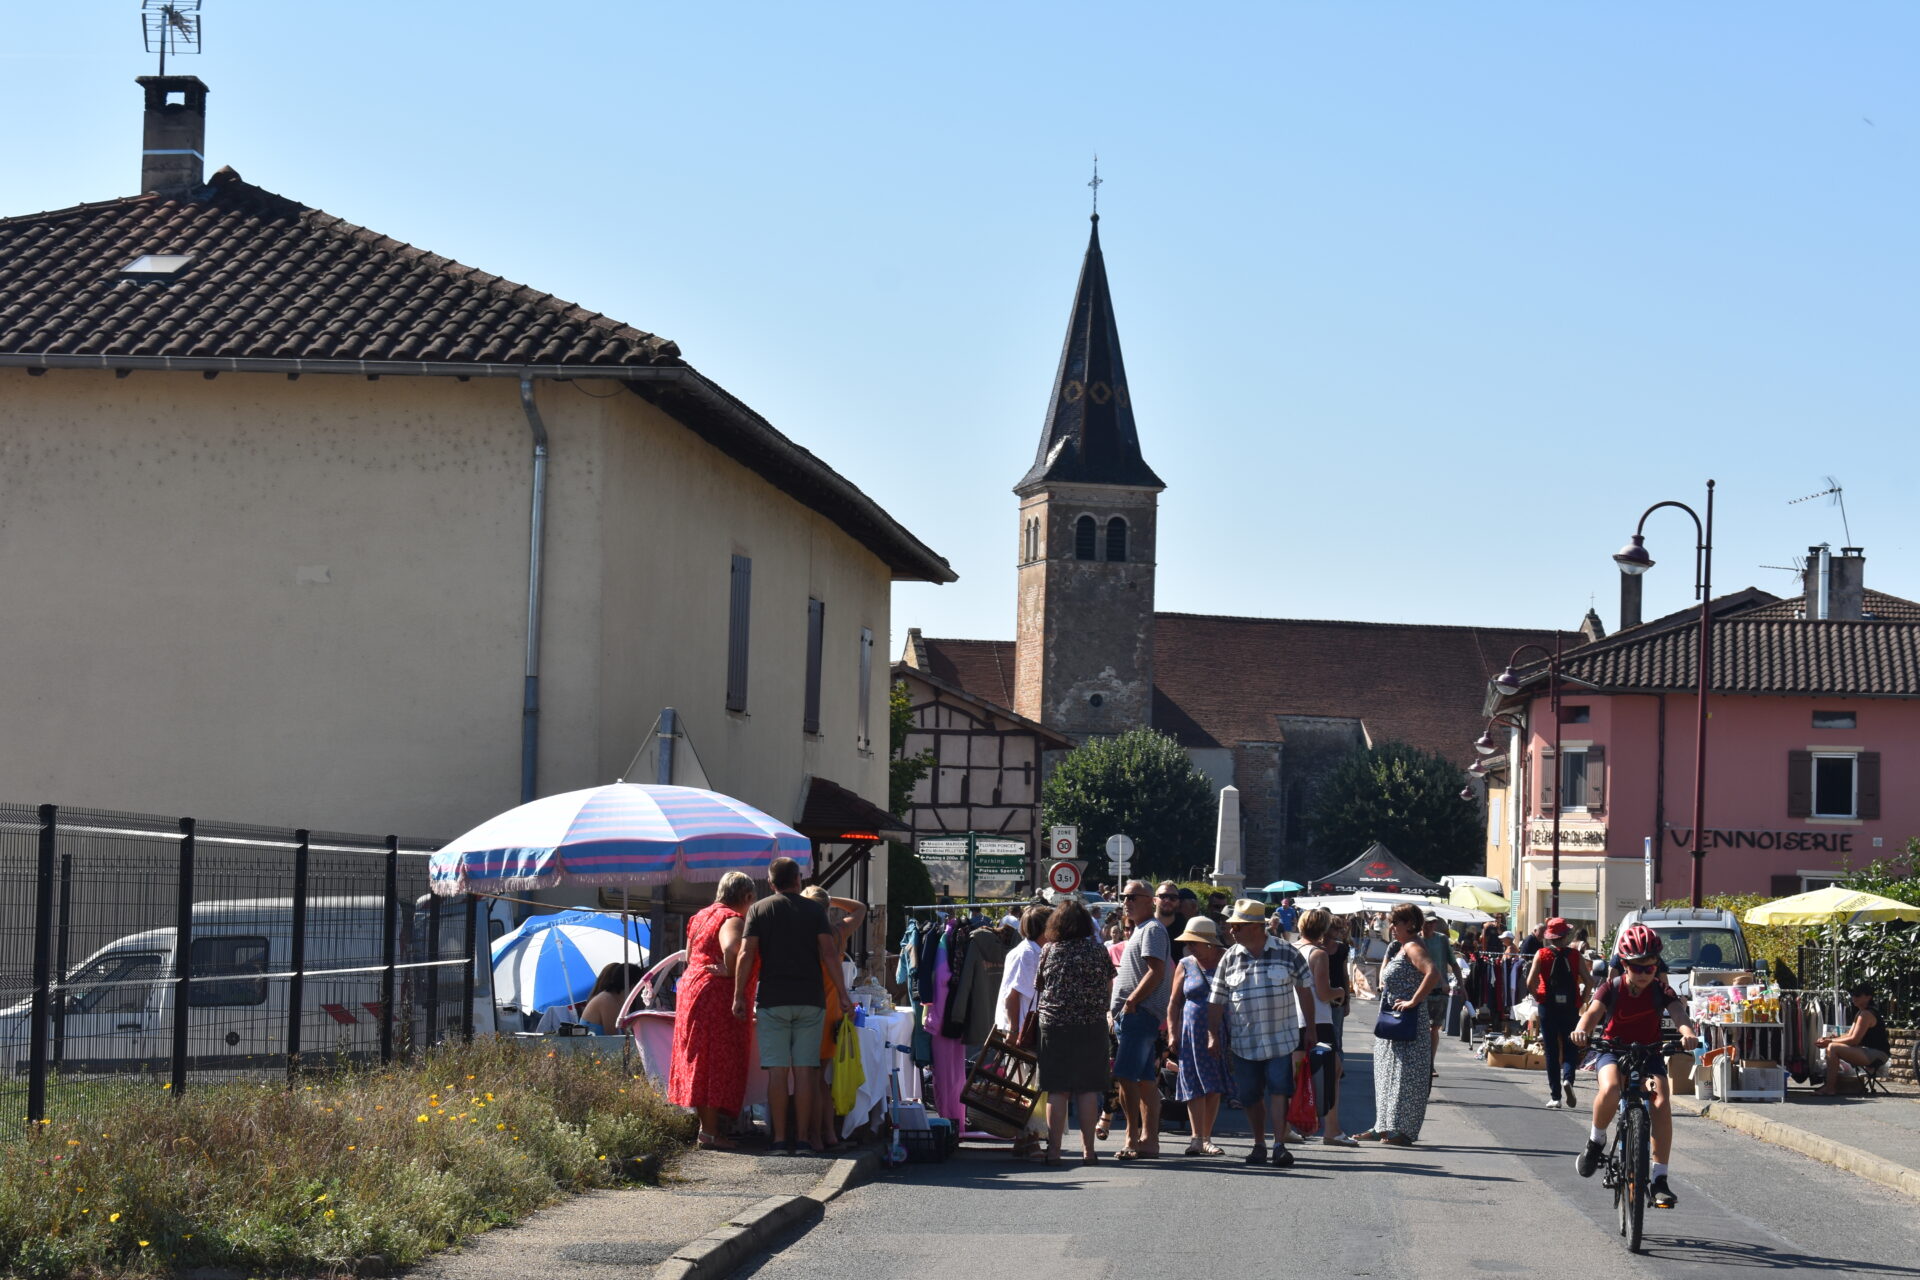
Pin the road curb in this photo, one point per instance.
(1862, 1164)
(718, 1252)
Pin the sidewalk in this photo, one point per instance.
(1876, 1138)
(710, 1210)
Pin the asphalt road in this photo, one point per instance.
(1490, 1190)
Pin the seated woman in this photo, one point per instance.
(609, 994)
(1865, 1044)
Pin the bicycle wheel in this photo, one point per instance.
(1633, 1203)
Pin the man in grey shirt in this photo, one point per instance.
(1139, 1003)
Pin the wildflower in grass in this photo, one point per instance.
(329, 1213)
(322, 1196)
(113, 1217)
(500, 1126)
(353, 1148)
(73, 1142)
(167, 1085)
(143, 1244)
(420, 1119)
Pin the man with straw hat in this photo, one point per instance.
(1259, 1001)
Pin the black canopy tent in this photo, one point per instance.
(1376, 871)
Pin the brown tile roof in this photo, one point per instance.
(270, 278)
(1878, 605)
(1222, 680)
(1761, 655)
(983, 668)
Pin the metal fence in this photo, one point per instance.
(136, 948)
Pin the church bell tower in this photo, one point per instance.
(1083, 662)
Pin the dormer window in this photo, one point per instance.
(1086, 534)
(156, 266)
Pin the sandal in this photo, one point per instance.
(1128, 1153)
(1195, 1148)
(1371, 1135)
(1209, 1149)
(1339, 1140)
(1395, 1140)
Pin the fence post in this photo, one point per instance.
(182, 955)
(61, 959)
(433, 974)
(297, 954)
(42, 968)
(466, 970)
(389, 937)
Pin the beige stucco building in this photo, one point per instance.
(271, 488)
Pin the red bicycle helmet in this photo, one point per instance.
(1637, 941)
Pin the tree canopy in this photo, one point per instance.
(1407, 799)
(1140, 784)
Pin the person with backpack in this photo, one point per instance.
(1557, 981)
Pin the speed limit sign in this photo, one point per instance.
(1065, 842)
(1063, 877)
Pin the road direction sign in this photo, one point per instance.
(945, 850)
(1000, 859)
(1063, 876)
(1065, 842)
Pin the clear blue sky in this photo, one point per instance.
(1422, 303)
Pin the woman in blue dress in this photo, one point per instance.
(1203, 1076)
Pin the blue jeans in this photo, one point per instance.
(1133, 1060)
(1254, 1081)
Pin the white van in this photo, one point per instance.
(119, 1010)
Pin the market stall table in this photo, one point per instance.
(882, 1042)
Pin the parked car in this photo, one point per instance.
(1693, 939)
(118, 1015)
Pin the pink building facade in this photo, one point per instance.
(1813, 749)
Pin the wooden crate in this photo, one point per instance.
(1003, 1087)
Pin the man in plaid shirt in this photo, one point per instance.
(1261, 998)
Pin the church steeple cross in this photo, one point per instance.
(1096, 185)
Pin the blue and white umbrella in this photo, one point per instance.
(554, 959)
(626, 833)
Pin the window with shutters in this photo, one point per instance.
(1573, 780)
(1579, 783)
(1116, 539)
(739, 618)
(816, 637)
(1086, 536)
(1833, 784)
(863, 718)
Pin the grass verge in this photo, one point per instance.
(361, 1172)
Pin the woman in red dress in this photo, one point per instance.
(709, 1071)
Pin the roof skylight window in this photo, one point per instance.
(156, 266)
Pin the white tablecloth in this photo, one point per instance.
(880, 1043)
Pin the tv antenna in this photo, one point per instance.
(1833, 491)
(170, 26)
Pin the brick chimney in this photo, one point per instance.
(173, 137)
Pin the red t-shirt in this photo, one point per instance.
(1633, 1019)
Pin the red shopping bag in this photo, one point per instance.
(1301, 1115)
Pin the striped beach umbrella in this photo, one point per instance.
(554, 959)
(627, 833)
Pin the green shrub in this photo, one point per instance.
(358, 1172)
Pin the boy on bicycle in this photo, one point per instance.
(1633, 1006)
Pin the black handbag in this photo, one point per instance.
(1397, 1024)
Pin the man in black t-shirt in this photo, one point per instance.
(793, 943)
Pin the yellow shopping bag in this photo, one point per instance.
(848, 1073)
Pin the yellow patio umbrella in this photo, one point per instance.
(1474, 898)
(1832, 905)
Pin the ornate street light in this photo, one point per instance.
(1633, 559)
(1485, 743)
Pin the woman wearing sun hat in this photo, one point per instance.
(1203, 1072)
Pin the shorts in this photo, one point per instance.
(1134, 1057)
(1656, 1065)
(790, 1035)
(1876, 1057)
(1254, 1081)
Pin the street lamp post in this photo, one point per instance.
(1633, 559)
(1508, 683)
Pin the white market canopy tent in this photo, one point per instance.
(1346, 904)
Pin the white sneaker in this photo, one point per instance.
(1553, 1104)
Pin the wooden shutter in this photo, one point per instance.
(816, 635)
(1783, 886)
(1549, 779)
(1866, 781)
(863, 725)
(1799, 784)
(1596, 777)
(739, 619)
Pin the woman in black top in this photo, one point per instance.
(1865, 1044)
